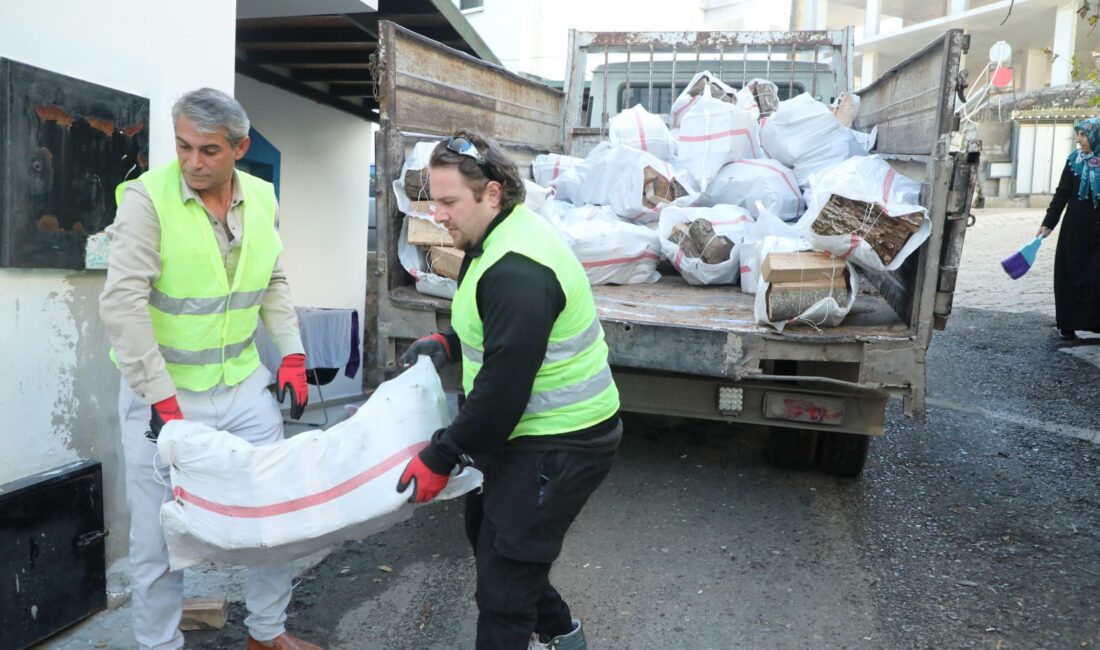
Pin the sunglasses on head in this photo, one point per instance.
(464, 147)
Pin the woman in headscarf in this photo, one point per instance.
(1077, 260)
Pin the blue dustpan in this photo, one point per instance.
(1019, 263)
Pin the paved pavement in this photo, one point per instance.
(979, 528)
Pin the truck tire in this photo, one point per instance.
(791, 448)
(842, 454)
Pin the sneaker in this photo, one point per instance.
(573, 641)
(1067, 335)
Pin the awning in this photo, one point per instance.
(327, 58)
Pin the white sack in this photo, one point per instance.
(731, 221)
(547, 167)
(637, 128)
(417, 159)
(415, 262)
(536, 195)
(782, 238)
(713, 88)
(612, 251)
(243, 504)
(805, 135)
(872, 180)
(748, 182)
(554, 212)
(826, 312)
(713, 133)
(748, 101)
(613, 175)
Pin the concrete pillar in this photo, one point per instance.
(1065, 42)
(1036, 68)
(814, 14)
(871, 18)
(958, 6)
(868, 68)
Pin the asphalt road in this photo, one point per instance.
(978, 528)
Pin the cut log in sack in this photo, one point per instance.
(414, 259)
(704, 244)
(703, 84)
(236, 503)
(612, 251)
(635, 184)
(817, 303)
(749, 182)
(410, 188)
(637, 128)
(805, 135)
(865, 211)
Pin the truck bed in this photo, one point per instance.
(672, 302)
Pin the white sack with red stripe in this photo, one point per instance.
(731, 221)
(804, 135)
(638, 128)
(418, 158)
(415, 261)
(546, 168)
(612, 251)
(614, 175)
(826, 312)
(749, 182)
(872, 180)
(703, 84)
(782, 237)
(237, 503)
(712, 134)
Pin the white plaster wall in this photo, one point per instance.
(323, 204)
(59, 393)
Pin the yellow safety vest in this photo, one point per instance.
(573, 388)
(204, 326)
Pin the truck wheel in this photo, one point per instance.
(791, 448)
(842, 454)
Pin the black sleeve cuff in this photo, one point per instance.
(453, 343)
(440, 455)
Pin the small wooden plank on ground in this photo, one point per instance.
(425, 233)
(209, 613)
(445, 261)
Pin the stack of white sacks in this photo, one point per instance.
(759, 180)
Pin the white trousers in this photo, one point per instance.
(247, 410)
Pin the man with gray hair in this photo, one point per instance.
(194, 264)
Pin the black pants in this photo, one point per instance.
(516, 527)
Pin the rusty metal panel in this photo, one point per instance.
(65, 144)
(620, 41)
(913, 103)
(429, 88)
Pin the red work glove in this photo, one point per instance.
(163, 412)
(433, 345)
(292, 376)
(428, 483)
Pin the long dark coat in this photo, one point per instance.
(1077, 260)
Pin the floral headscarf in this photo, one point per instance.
(1086, 166)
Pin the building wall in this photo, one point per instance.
(323, 203)
(59, 395)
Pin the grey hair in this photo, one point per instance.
(211, 110)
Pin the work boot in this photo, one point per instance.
(573, 641)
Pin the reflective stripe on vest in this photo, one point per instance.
(204, 322)
(573, 388)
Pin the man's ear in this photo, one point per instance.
(494, 191)
(242, 148)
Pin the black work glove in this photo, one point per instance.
(434, 345)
